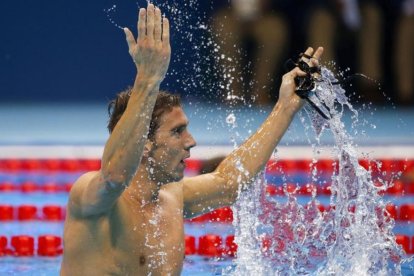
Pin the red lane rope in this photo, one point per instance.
(399, 188)
(24, 246)
(209, 246)
(273, 166)
(27, 212)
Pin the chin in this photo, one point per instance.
(177, 176)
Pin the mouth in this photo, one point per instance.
(182, 165)
(182, 161)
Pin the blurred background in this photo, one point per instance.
(74, 51)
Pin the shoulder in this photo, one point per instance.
(78, 188)
(82, 182)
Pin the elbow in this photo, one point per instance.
(229, 187)
(233, 182)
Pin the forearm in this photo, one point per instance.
(244, 163)
(124, 148)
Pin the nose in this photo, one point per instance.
(190, 142)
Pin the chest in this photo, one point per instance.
(148, 230)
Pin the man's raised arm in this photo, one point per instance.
(96, 192)
(205, 192)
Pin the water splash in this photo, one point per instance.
(353, 237)
(246, 220)
(364, 242)
(231, 120)
(192, 59)
(109, 13)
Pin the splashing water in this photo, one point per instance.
(364, 241)
(191, 64)
(109, 13)
(354, 237)
(247, 231)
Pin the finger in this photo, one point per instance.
(309, 51)
(165, 31)
(142, 18)
(157, 24)
(129, 38)
(292, 74)
(318, 53)
(307, 55)
(317, 56)
(150, 21)
(296, 72)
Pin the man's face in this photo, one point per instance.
(172, 144)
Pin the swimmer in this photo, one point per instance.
(128, 217)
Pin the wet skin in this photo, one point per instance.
(130, 240)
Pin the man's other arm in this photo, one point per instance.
(219, 188)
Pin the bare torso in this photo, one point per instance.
(130, 240)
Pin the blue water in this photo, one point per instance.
(193, 265)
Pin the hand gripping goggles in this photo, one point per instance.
(306, 85)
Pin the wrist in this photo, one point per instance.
(148, 82)
(288, 107)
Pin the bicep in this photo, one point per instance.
(204, 193)
(91, 195)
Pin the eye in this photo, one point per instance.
(178, 130)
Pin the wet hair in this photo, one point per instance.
(164, 103)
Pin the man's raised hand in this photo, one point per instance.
(287, 89)
(151, 50)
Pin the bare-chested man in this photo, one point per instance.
(127, 218)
